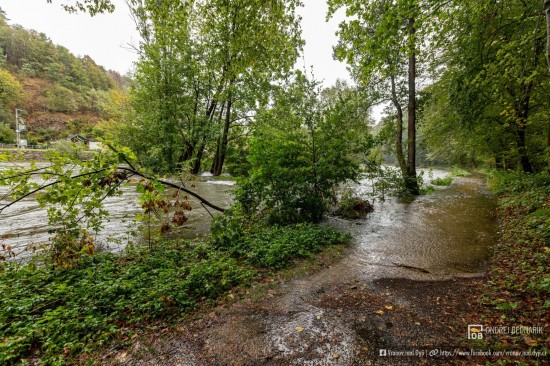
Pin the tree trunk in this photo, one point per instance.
(196, 167)
(214, 165)
(410, 180)
(399, 131)
(547, 11)
(225, 136)
(522, 114)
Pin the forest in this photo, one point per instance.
(409, 232)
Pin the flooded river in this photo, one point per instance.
(26, 223)
(343, 314)
(435, 238)
(446, 232)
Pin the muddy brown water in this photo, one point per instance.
(437, 237)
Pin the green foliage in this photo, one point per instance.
(490, 104)
(271, 246)
(456, 171)
(73, 189)
(300, 150)
(204, 67)
(93, 7)
(442, 181)
(7, 134)
(56, 315)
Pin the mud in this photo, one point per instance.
(407, 284)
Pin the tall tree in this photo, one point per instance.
(200, 61)
(382, 42)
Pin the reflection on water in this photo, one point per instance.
(446, 232)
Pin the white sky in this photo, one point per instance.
(107, 37)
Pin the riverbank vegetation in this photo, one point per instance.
(216, 89)
(57, 315)
(517, 290)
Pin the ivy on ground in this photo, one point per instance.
(55, 315)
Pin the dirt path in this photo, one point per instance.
(402, 295)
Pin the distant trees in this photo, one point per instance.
(494, 86)
(38, 76)
(11, 91)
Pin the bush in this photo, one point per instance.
(459, 172)
(352, 207)
(442, 181)
(272, 247)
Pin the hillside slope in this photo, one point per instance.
(60, 93)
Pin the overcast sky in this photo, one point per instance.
(107, 38)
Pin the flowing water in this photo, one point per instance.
(26, 222)
(436, 237)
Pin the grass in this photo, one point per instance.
(57, 316)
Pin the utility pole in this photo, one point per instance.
(17, 129)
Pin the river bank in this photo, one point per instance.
(402, 285)
(385, 314)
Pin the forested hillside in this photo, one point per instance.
(60, 93)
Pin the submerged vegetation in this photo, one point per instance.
(447, 181)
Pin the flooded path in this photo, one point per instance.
(398, 287)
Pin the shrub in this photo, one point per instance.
(459, 172)
(442, 181)
(352, 206)
(275, 246)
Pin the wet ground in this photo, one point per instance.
(399, 296)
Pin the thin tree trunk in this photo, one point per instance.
(196, 168)
(214, 165)
(410, 180)
(399, 131)
(216, 159)
(546, 5)
(522, 114)
(224, 142)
